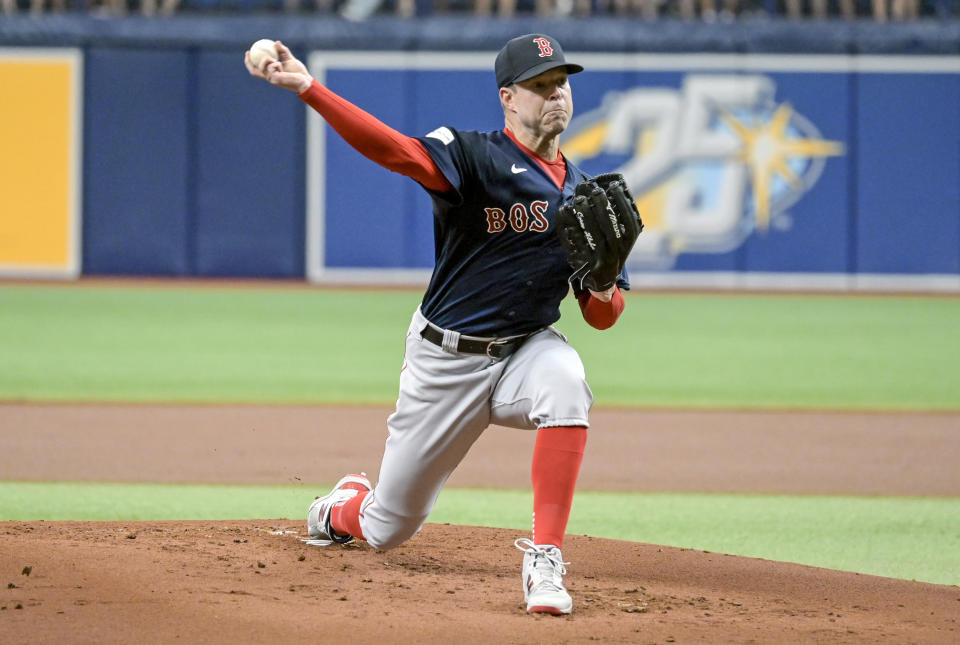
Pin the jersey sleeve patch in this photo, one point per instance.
(443, 135)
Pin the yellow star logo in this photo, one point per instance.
(767, 150)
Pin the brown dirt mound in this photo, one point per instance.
(254, 582)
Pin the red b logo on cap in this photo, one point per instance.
(544, 45)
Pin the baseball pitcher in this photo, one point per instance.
(516, 226)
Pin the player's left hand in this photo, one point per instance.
(287, 72)
(604, 296)
(598, 229)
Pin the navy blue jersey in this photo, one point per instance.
(500, 269)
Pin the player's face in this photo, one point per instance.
(544, 103)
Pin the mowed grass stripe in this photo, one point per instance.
(308, 345)
(910, 538)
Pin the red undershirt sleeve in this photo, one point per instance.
(598, 314)
(405, 155)
(375, 140)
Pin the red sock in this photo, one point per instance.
(557, 456)
(345, 518)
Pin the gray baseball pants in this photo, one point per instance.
(447, 399)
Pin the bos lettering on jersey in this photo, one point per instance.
(500, 269)
(520, 219)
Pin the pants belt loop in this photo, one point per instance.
(451, 340)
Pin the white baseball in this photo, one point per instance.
(261, 49)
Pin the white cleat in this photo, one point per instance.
(318, 515)
(543, 571)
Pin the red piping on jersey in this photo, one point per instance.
(557, 169)
(376, 140)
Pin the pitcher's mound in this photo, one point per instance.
(246, 582)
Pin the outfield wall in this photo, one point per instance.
(839, 168)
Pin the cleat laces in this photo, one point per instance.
(548, 564)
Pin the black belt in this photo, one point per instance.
(496, 348)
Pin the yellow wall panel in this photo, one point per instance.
(40, 98)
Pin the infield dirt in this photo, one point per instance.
(254, 581)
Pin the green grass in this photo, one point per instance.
(63, 343)
(778, 351)
(188, 345)
(897, 537)
(275, 345)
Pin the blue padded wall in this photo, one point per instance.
(136, 216)
(249, 163)
(191, 168)
(908, 215)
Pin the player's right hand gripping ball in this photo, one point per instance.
(263, 48)
(598, 228)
